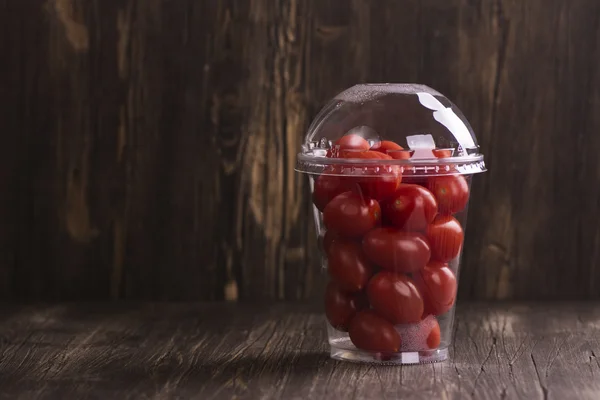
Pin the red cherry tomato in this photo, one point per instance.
(348, 266)
(422, 336)
(348, 142)
(351, 215)
(368, 331)
(412, 180)
(386, 145)
(442, 153)
(451, 192)
(360, 153)
(386, 181)
(395, 297)
(412, 207)
(383, 186)
(445, 238)
(392, 149)
(437, 284)
(353, 141)
(395, 250)
(327, 187)
(400, 154)
(434, 337)
(340, 307)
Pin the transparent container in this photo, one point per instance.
(390, 169)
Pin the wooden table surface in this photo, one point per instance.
(223, 351)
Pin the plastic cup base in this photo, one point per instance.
(400, 358)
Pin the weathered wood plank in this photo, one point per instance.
(148, 147)
(220, 351)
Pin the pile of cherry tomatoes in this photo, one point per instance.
(388, 242)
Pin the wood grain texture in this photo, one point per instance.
(221, 351)
(149, 145)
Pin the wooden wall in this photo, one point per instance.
(148, 146)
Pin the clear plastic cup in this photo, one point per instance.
(390, 169)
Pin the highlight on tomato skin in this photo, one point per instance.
(348, 266)
(348, 142)
(351, 215)
(368, 331)
(395, 250)
(445, 236)
(340, 307)
(395, 297)
(353, 141)
(438, 286)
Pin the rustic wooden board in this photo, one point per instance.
(148, 146)
(220, 351)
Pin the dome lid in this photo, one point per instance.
(417, 129)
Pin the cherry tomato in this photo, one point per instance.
(422, 336)
(442, 153)
(395, 250)
(340, 307)
(368, 331)
(437, 284)
(434, 337)
(445, 238)
(382, 186)
(351, 215)
(395, 297)
(360, 153)
(326, 188)
(348, 266)
(400, 154)
(348, 142)
(451, 192)
(392, 149)
(386, 145)
(386, 181)
(353, 141)
(412, 180)
(412, 207)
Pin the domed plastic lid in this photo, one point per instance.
(401, 126)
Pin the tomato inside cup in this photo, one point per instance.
(390, 168)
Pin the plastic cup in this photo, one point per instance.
(390, 169)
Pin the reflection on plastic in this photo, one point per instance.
(422, 145)
(447, 117)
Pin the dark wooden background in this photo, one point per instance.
(148, 146)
